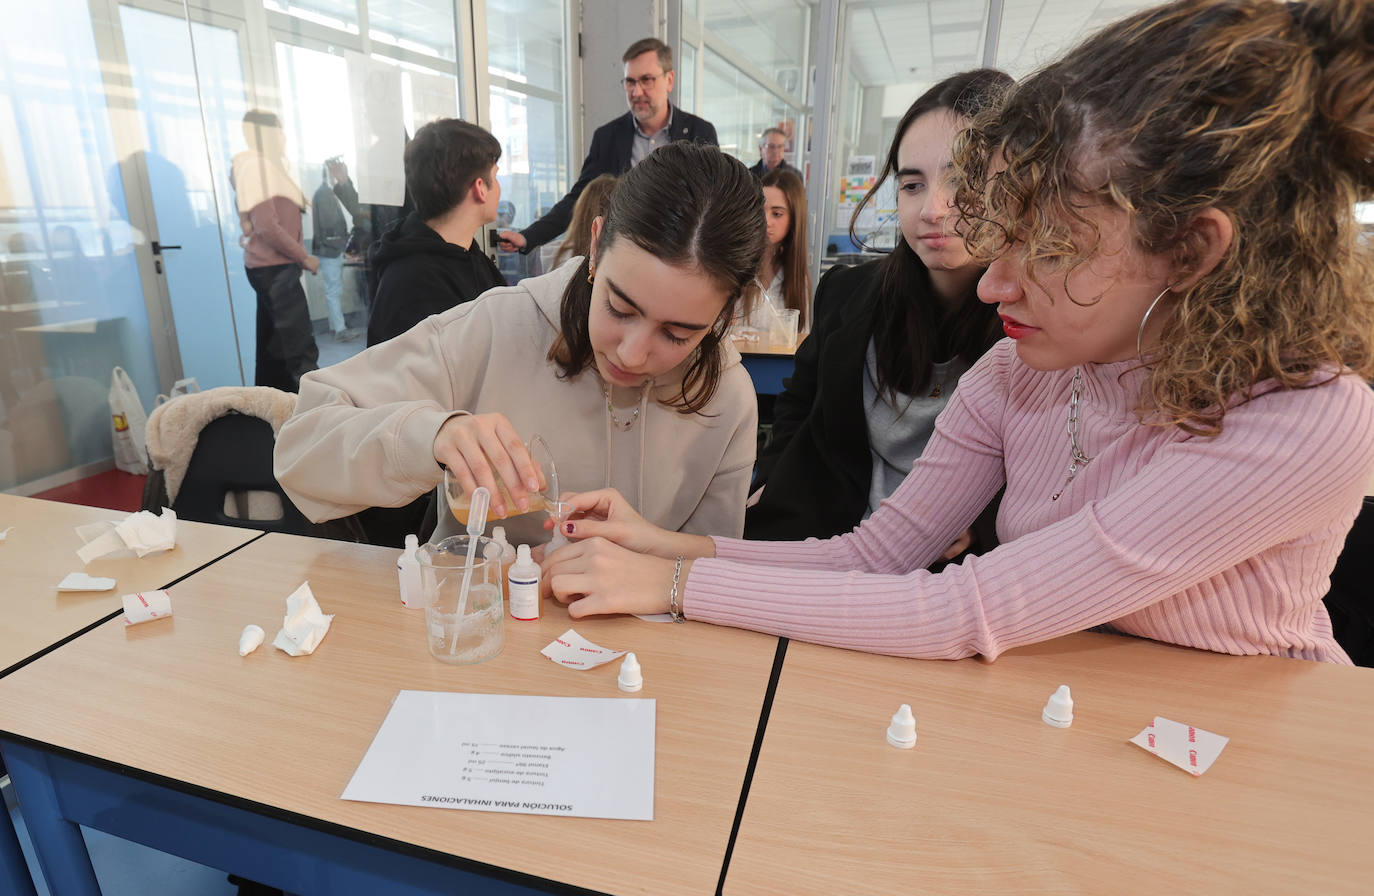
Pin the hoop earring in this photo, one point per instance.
(1140, 333)
(591, 276)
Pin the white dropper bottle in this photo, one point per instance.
(408, 570)
(524, 586)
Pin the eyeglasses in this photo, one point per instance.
(645, 82)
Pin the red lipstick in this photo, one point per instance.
(1014, 328)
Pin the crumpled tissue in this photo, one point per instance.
(305, 624)
(142, 532)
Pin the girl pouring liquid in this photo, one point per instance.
(619, 359)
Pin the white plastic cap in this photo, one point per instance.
(498, 534)
(250, 639)
(412, 542)
(631, 678)
(901, 732)
(1059, 710)
(522, 554)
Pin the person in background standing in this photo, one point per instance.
(270, 205)
(772, 152)
(618, 145)
(331, 233)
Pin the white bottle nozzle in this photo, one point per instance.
(901, 732)
(412, 542)
(250, 639)
(1059, 710)
(631, 678)
(498, 534)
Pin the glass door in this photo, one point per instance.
(185, 139)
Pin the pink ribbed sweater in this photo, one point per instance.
(1223, 543)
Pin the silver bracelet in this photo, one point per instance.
(673, 608)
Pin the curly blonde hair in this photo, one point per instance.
(1262, 110)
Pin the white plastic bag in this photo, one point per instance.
(130, 423)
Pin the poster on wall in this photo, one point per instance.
(432, 97)
(858, 178)
(379, 130)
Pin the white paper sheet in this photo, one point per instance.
(591, 758)
(1191, 749)
(575, 652)
(379, 130)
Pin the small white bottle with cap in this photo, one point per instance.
(524, 586)
(408, 570)
(1059, 709)
(631, 677)
(901, 731)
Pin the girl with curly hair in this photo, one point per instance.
(1180, 416)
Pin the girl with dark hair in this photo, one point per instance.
(1181, 416)
(618, 359)
(890, 340)
(784, 277)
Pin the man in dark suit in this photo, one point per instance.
(619, 144)
(772, 146)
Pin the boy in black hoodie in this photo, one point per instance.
(429, 261)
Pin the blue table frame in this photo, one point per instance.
(299, 855)
(768, 371)
(14, 871)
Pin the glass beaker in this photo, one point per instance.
(522, 527)
(459, 629)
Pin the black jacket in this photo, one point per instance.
(817, 465)
(612, 144)
(759, 171)
(418, 274)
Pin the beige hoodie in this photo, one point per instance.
(363, 432)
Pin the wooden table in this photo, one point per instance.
(993, 800)
(768, 363)
(37, 554)
(163, 734)
(41, 550)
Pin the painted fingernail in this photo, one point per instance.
(568, 528)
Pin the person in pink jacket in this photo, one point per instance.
(1180, 416)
